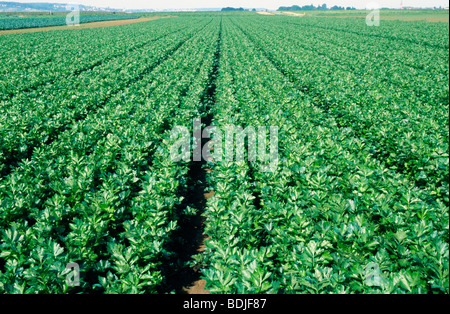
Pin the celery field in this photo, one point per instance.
(358, 201)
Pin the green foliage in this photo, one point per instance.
(358, 202)
(335, 206)
(103, 192)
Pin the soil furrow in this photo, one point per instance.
(189, 239)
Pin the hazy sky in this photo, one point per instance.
(269, 4)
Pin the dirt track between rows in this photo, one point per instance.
(82, 26)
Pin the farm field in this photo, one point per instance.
(356, 199)
(98, 24)
(428, 15)
(24, 22)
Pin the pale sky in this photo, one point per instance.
(269, 4)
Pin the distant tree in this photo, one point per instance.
(308, 7)
(312, 7)
(232, 9)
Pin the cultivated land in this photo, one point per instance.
(401, 15)
(358, 201)
(81, 26)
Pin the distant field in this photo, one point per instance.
(9, 22)
(403, 15)
(98, 24)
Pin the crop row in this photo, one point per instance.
(357, 202)
(327, 212)
(32, 120)
(105, 194)
(406, 132)
(416, 33)
(34, 60)
(384, 56)
(382, 61)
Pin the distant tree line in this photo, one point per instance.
(312, 7)
(233, 9)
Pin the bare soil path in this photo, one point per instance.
(183, 275)
(294, 14)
